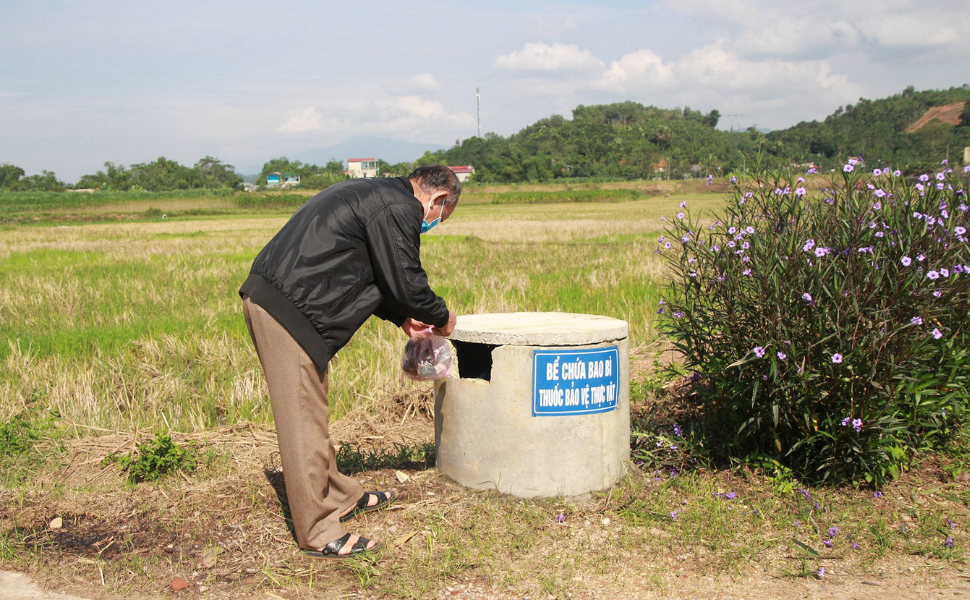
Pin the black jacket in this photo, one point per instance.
(350, 252)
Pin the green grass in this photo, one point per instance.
(138, 324)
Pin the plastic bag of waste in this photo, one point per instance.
(427, 357)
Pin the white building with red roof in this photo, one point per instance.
(464, 173)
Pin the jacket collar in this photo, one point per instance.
(407, 184)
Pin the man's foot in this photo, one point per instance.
(370, 501)
(349, 544)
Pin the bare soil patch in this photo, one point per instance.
(949, 114)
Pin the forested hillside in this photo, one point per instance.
(630, 141)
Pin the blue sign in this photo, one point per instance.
(575, 382)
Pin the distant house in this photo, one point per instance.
(463, 173)
(290, 180)
(274, 180)
(361, 167)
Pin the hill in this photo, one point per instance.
(912, 130)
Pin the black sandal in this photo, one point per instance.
(383, 499)
(332, 550)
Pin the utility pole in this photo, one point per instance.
(732, 121)
(478, 102)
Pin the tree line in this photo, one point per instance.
(625, 140)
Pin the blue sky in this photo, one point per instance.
(82, 83)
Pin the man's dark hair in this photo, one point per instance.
(432, 178)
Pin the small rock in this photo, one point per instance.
(178, 584)
(907, 518)
(606, 521)
(57, 523)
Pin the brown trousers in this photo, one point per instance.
(317, 493)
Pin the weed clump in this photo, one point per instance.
(154, 459)
(828, 330)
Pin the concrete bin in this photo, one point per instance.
(538, 406)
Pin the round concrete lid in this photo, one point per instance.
(538, 329)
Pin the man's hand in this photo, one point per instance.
(411, 326)
(447, 329)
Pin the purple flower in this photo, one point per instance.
(759, 351)
(876, 172)
(848, 168)
(749, 229)
(948, 543)
(959, 230)
(837, 358)
(845, 421)
(821, 570)
(677, 430)
(828, 543)
(821, 251)
(933, 275)
(897, 173)
(807, 297)
(729, 496)
(746, 272)
(800, 191)
(683, 204)
(937, 293)
(782, 356)
(966, 169)
(924, 177)
(950, 523)
(855, 546)
(808, 245)
(920, 257)
(833, 531)
(680, 215)
(945, 272)
(561, 518)
(673, 515)
(857, 425)
(937, 334)
(916, 320)
(906, 261)
(673, 447)
(733, 179)
(877, 494)
(940, 176)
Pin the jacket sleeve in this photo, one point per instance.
(386, 311)
(393, 242)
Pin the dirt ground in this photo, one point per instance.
(224, 533)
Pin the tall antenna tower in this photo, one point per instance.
(478, 102)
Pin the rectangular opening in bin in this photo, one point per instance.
(474, 360)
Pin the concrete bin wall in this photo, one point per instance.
(538, 406)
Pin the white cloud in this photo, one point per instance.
(772, 27)
(539, 57)
(416, 84)
(401, 114)
(643, 68)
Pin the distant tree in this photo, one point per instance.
(213, 173)
(9, 175)
(45, 182)
(113, 178)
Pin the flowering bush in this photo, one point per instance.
(828, 329)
